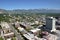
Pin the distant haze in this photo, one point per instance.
(18, 11)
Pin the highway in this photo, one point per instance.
(19, 37)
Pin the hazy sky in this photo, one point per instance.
(29, 4)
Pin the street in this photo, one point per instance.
(19, 37)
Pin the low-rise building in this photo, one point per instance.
(5, 25)
(25, 25)
(22, 30)
(29, 36)
(50, 37)
(17, 24)
(9, 35)
(6, 30)
(35, 31)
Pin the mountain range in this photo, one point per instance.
(19, 11)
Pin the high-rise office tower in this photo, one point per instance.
(50, 24)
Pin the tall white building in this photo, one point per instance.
(50, 24)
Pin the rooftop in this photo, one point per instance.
(8, 34)
(35, 30)
(4, 25)
(29, 36)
